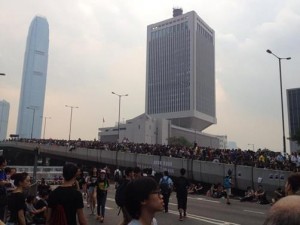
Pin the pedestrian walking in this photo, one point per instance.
(181, 188)
(166, 186)
(100, 191)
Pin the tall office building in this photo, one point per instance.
(293, 104)
(31, 105)
(180, 80)
(4, 115)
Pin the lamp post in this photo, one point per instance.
(71, 107)
(282, 111)
(45, 123)
(120, 96)
(33, 108)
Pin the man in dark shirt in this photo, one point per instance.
(181, 188)
(67, 197)
(3, 183)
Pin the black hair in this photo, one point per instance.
(136, 192)
(182, 171)
(69, 171)
(137, 169)
(19, 177)
(30, 198)
(294, 181)
(166, 173)
(128, 170)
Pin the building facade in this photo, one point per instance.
(293, 105)
(4, 115)
(180, 79)
(31, 105)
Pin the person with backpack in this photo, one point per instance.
(65, 202)
(120, 192)
(166, 186)
(100, 191)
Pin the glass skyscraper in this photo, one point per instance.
(4, 115)
(31, 105)
(293, 104)
(180, 80)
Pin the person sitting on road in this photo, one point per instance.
(260, 195)
(249, 195)
(278, 194)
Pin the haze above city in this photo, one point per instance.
(97, 47)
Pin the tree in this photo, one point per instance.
(179, 141)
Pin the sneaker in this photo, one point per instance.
(101, 219)
(184, 214)
(228, 203)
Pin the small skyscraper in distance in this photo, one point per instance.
(180, 73)
(32, 96)
(4, 115)
(293, 105)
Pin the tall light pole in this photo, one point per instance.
(282, 111)
(33, 108)
(120, 96)
(45, 123)
(71, 107)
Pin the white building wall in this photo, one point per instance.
(34, 79)
(4, 116)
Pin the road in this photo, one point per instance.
(201, 210)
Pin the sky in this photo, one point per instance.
(98, 46)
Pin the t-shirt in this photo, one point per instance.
(39, 205)
(15, 203)
(102, 186)
(69, 198)
(181, 186)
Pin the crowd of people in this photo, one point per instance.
(139, 195)
(262, 158)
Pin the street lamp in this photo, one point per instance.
(282, 113)
(45, 123)
(120, 96)
(33, 108)
(71, 107)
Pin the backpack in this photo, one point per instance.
(164, 185)
(58, 216)
(120, 193)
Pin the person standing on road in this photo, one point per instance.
(68, 198)
(181, 188)
(166, 186)
(142, 200)
(100, 191)
(3, 184)
(16, 200)
(91, 183)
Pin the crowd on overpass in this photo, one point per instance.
(262, 158)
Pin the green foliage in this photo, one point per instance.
(179, 141)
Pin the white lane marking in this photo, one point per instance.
(205, 219)
(108, 208)
(170, 203)
(246, 210)
(205, 200)
(110, 199)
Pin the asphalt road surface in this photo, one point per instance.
(201, 210)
